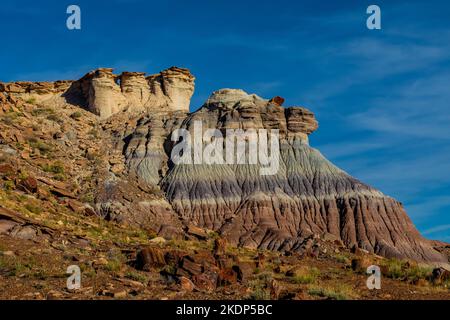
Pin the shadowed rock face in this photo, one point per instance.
(307, 196)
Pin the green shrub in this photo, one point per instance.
(55, 118)
(31, 100)
(38, 144)
(341, 292)
(260, 286)
(56, 168)
(10, 117)
(76, 115)
(9, 185)
(136, 277)
(403, 270)
(42, 112)
(305, 275)
(60, 177)
(342, 258)
(32, 208)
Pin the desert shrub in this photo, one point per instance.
(42, 112)
(113, 265)
(339, 292)
(10, 117)
(260, 286)
(33, 208)
(93, 133)
(305, 275)
(260, 293)
(60, 177)
(40, 145)
(55, 118)
(403, 270)
(259, 289)
(115, 262)
(136, 276)
(342, 258)
(87, 198)
(31, 100)
(11, 266)
(418, 272)
(9, 185)
(76, 115)
(56, 168)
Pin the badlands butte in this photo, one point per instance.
(98, 149)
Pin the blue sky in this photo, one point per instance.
(381, 96)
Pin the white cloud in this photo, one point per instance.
(440, 228)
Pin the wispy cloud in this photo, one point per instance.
(440, 228)
(350, 149)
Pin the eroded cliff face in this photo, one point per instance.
(307, 196)
(105, 94)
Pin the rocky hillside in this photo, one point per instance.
(101, 146)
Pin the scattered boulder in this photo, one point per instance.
(62, 193)
(7, 253)
(24, 233)
(227, 277)
(54, 295)
(28, 184)
(158, 240)
(6, 169)
(440, 275)
(189, 266)
(206, 281)
(244, 270)
(277, 100)
(220, 246)
(186, 284)
(197, 232)
(150, 257)
(6, 226)
(120, 294)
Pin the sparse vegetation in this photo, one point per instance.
(305, 275)
(94, 133)
(342, 258)
(76, 115)
(9, 185)
(42, 111)
(403, 270)
(33, 208)
(54, 118)
(12, 266)
(135, 276)
(40, 145)
(339, 292)
(31, 100)
(115, 262)
(56, 168)
(10, 117)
